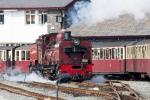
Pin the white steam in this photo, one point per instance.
(98, 79)
(100, 10)
(15, 75)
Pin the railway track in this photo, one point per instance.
(72, 90)
(124, 91)
(24, 92)
(119, 90)
(111, 90)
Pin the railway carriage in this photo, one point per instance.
(138, 58)
(24, 55)
(108, 57)
(6, 57)
(129, 58)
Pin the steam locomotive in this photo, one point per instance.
(59, 54)
(53, 55)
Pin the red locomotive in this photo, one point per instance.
(54, 54)
(60, 54)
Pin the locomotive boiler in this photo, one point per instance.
(60, 54)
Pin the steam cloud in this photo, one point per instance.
(94, 11)
(98, 79)
(16, 75)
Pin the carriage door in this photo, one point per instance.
(8, 58)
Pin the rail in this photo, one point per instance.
(111, 90)
(20, 91)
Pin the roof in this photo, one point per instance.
(125, 25)
(103, 44)
(140, 42)
(23, 4)
(109, 44)
(6, 47)
(25, 47)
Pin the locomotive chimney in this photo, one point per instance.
(67, 35)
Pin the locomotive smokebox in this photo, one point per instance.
(67, 35)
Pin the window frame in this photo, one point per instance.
(17, 58)
(43, 18)
(31, 14)
(1, 17)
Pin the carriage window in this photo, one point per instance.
(104, 52)
(4, 55)
(118, 55)
(22, 55)
(27, 55)
(107, 53)
(121, 53)
(1, 55)
(146, 48)
(113, 53)
(101, 53)
(17, 55)
(110, 52)
(94, 53)
(98, 54)
(128, 52)
(143, 52)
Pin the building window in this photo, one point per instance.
(59, 19)
(42, 17)
(30, 17)
(1, 17)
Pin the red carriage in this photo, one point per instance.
(126, 58)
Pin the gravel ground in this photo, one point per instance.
(4, 95)
(141, 87)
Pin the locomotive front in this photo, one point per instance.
(75, 57)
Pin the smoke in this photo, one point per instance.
(2, 98)
(98, 79)
(16, 75)
(91, 12)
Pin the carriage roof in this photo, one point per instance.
(6, 47)
(25, 47)
(100, 44)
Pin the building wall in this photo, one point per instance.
(15, 28)
(53, 25)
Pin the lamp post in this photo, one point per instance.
(63, 79)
